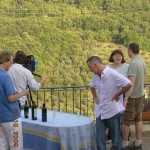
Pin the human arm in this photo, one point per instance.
(127, 94)
(94, 94)
(122, 91)
(42, 79)
(16, 96)
(32, 83)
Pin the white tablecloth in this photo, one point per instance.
(63, 131)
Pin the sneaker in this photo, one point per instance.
(137, 147)
(127, 148)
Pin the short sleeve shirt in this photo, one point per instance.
(9, 111)
(107, 86)
(137, 68)
(122, 70)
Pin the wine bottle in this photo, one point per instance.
(44, 113)
(26, 110)
(34, 111)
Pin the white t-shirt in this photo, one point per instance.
(22, 77)
(123, 69)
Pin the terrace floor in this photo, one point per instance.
(146, 136)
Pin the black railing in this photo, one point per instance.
(73, 99)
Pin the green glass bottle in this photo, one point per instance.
(44, 113)
(34, 111)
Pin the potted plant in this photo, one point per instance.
(146, 110)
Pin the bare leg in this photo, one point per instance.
(139, 129)
(125, 132)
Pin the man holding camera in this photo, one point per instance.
(23, 77)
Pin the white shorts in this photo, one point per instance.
(11, 135)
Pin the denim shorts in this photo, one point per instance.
(133, 111)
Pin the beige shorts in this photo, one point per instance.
(133, 111)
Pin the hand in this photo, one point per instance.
(125, 102)
(116, 98)
(43, 78)
(17, 92)
(25, 92)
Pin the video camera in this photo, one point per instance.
(31, 63)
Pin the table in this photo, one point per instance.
(62, 131)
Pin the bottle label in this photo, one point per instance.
(26, 114)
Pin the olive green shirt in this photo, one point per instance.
(137, 68)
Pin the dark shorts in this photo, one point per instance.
(133, 111)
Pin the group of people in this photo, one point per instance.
(15, 81)
(118, 91)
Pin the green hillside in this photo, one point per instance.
(62, 34)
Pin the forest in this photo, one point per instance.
(62, 34)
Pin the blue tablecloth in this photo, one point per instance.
(62, 131)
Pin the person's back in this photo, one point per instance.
(137, 68)
(22, 77)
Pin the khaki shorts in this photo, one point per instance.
(133, 111)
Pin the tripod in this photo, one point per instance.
(29, 97)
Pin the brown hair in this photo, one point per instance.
(134, 47)
(117, 51)
(20, 57)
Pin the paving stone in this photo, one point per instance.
(145, 138)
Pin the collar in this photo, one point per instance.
(136, 57)
(104, 71)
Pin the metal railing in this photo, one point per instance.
(73, 99)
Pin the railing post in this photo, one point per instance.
(80, 102)
(51, 91)
(66, 99)
(58, 98)
(73, 100)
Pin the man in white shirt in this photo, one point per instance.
(107, 88)
(22, 76)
